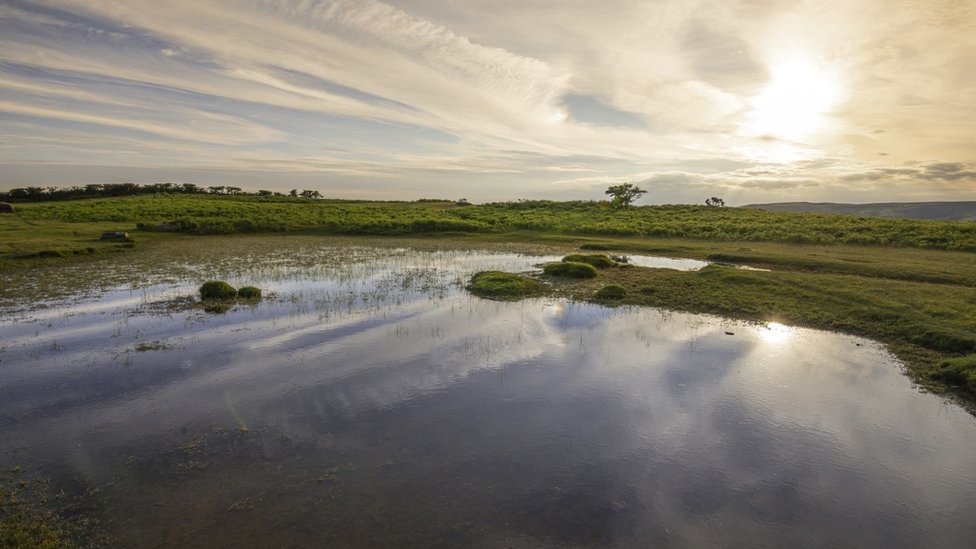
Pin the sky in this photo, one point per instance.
(748, 100)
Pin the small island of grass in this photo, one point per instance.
(505, 286)
(570, 269)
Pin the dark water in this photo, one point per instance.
(372, 402)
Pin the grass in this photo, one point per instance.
(217, 290)
(610, 292)
(570, 269)
(505, 286)
(600, 261)
(249, 292)
(74, 224)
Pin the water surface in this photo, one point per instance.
(370, 401)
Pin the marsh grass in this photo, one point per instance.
(600, 261)
(74, 220)
(146, 346)
(214, 290)
(505, 286)
(959, 371)
(610, 292)
(570, 269)
(249, 292)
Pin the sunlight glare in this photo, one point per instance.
(794, 103)
(775, 333)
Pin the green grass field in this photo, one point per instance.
(909, 284)
(214, 214)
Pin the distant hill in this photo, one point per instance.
(943, 211)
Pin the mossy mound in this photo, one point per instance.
(611, 292)
(570, 269)
(505, 286)
(217, 289)
(600, 261)
(249, 292)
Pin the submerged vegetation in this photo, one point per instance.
(33, 515)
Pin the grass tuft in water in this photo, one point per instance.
(33, 515)
(217, 289)
(249, 292)
(570, 269)
(600, 261)
(505, 286)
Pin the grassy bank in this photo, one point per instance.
(910, 284)
(219, 214)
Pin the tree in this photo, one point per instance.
(624, 194)
(715, 201)
(308, 193)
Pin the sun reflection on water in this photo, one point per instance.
(775, 333)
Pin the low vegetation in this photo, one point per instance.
(249, 292)
(75, 224)
(505, 286)
(570, 269)
(33, 515)
(217, 290)
(960, 372)
(610, 292)
(600, 261)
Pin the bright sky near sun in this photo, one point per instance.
(749, 100)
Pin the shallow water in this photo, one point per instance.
(371, 401)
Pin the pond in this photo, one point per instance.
(368, 400)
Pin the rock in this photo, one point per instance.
(6, 208)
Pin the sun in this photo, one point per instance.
(796, 102)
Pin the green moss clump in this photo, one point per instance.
(610, 292)
(570, 269)
(600, 261)
(958, 371)
(505, 286)
(217, 289)
(249, 292)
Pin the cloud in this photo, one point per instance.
(539, 97)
